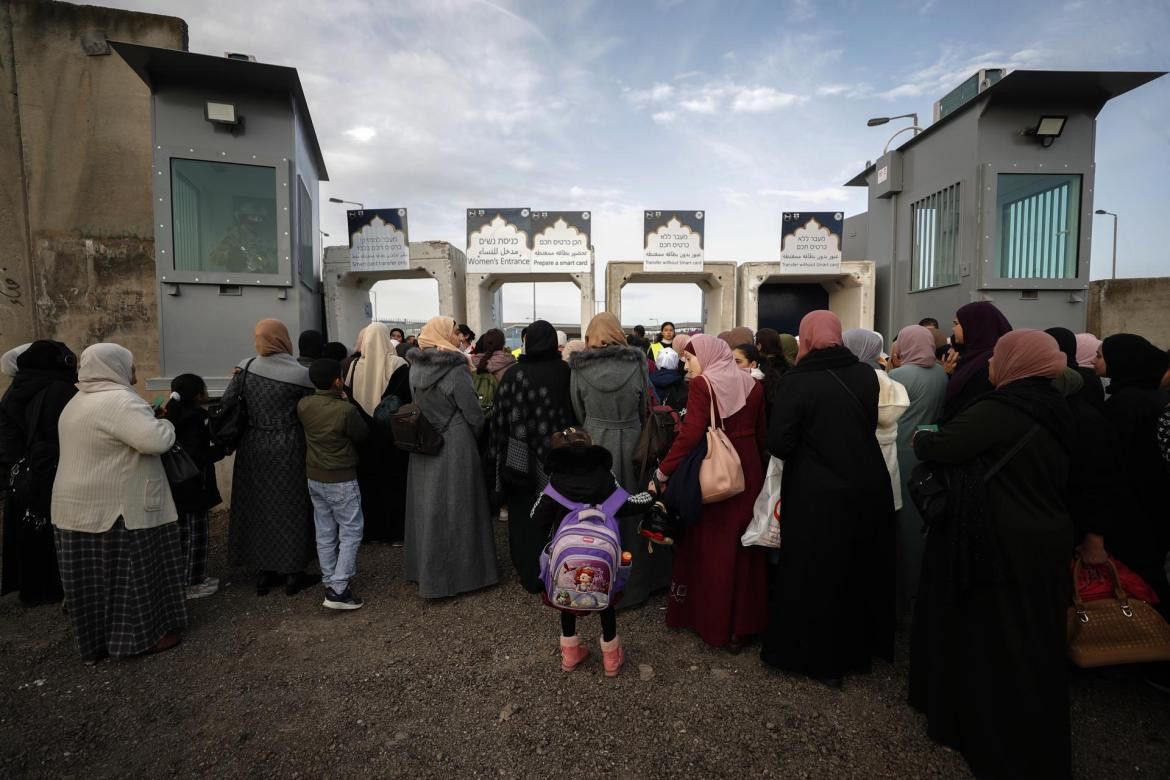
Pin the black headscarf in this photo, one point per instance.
(541, 339)
(311, 344)
(48, 356)
(1067, 341)
(1130, 361)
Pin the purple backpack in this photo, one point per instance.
(582, 566)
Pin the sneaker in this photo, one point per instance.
(206, 588)
(345, 600)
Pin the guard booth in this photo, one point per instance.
(236, 173)
(771, 299)
(717, 281)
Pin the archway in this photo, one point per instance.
(787, 297)
(717, 282)
(484, 293)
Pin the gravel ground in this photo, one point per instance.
(472, 685)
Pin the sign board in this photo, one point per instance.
(498, 241)
(561, 241)
(811, 242)
(378, 240)
(672, 241)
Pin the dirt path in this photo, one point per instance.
(471, 685)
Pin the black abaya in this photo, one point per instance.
(382, 470)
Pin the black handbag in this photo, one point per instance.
(228, 424)
(31, 479)
(180, 466)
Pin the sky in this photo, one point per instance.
(740, 109)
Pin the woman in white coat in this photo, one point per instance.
(122, 564)
(893, 401)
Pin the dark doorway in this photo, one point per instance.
(783, 305)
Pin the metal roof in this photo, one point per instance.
(158, 67)
(1022, 86)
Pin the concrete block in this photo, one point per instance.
(717, 280)
(483, 311)
(1140, 306)
(852, 293)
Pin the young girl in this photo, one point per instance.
(194, 497)
(748, 358)
(582, 471)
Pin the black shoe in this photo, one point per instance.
(1157, 676)
(345, 600)
(295, 583)
(264, 581)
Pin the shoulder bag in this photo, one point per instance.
(228, 424)
(721, 474)
(1117, 630)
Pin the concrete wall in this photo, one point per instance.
(1140, 306)
(75, 145)
(851, 292)
(717, 281)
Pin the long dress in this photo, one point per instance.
(610, 394)
(987, 657)
(832, 605)
(927, 389)
(450, 548)
(719, 587)
(381, 473)
(271, 524)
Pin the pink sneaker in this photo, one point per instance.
(573, 653)
(612, 656)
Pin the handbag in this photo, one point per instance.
(764, 528)
(1117, 630)
(228, 424)
(180, 466)
(31, 479)
(721, 473)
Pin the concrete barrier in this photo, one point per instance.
(716, 280)
(484, 302)
(1140, 306)
(851, 292)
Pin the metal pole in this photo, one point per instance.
(534, 301)
(1114, 246)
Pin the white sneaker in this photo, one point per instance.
(206, 588)
(503, 515)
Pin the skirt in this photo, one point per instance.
(124, 589)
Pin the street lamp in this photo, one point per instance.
(350, 202)
(881, 120)
(1111, 214)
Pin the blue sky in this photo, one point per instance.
(742, 109)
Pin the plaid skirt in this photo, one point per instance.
(125, 590)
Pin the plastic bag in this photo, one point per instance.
(764, 529)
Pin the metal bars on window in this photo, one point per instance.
(1038, 226)
(934, 247)
(185, 224)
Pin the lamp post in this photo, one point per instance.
(881, 120)
(350, 202)
(1111, 214)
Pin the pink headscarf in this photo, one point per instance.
(680, 342)
(729, 382)
(915, 346)
(1020, 354)
(819, 329)
(1087, 346)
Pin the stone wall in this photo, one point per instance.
(76, 228)
(1139, 306)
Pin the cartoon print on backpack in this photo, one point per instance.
(582, 583)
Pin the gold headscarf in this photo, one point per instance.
(372, 371)
(437, 333)
(272, 338)
(604, 331)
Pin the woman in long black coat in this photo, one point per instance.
(832, 604)
(987, 657)
(978, 325)
(531, 404)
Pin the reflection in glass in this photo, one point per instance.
(224, 217)
(1039, 225)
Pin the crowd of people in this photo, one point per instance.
(102, 512)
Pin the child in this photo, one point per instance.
(668, 381)
(194, 497)
(333, 428)
(582, 471)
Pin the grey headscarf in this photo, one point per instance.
(865, 344)
(8, 365)
(105, 367)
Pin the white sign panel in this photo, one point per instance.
(811, 243)
(673, 241)
(378, 240)
(560, 242)
(497, 241)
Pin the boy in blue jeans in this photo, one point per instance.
(333, 427)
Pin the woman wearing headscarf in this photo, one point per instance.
(44, 382)
(867, 345)
(1092, 390)
(531, 405)
(271, 528)
(381, 470)
(773, 349)
(832, 606)
(719, 587)
(925, 381)
(450, 547)
(736, 336)
(1140, 534)
(1087, 346)
(310, 345)
(8, 365)
(988, 648)
(610, 392)
(572, 346)
(121, 559)
(978, 326)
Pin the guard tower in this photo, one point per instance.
(236, 173)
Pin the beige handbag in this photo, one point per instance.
(721, 473)
(1119, 630)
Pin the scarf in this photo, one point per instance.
(789, 347)
(439, 333)
(604, 330)
(866, 344)
(272, 338)
(1087, 346)
(575, 345)
(737, 336)
(372, 371)
(982, 325)
(1132, 361)
(729, 383)
(818, 330)
(105, 367)
(8, 365)
(1067, 342)
(542, 339)
(915, 346)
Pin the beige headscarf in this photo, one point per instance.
(272, 338)
(604, 331)
(105, 367)
(372, 371)
(438, 334)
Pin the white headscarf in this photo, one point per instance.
(105, 367)
(8, 365)
(373, 369)
(667, 359)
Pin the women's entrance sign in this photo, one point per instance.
(526, 241)
(672, 241)
(811, 242)
(378, 240)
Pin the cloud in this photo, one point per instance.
(813, 197)
(711, 98)
(755, 100)
(832, 90)
(655, 94)
(703, 104)
(663, 117)
(362, 134)
(952, 66)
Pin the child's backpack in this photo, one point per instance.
(582, 566)
(486, 386)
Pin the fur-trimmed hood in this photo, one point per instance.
(429, 366)
(609, 368)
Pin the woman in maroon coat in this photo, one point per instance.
(719, 587)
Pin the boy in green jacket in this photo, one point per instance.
(333, 427)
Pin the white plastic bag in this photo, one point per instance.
(764, 529)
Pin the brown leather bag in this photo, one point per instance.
(721, 473)
(1118, 630)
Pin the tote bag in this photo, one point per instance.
(764, 529)
(721, 474)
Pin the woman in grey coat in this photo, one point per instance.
(610, 390)
(449, 544)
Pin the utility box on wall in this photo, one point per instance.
(236, 173)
